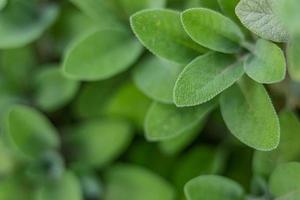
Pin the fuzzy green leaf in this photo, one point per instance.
(293, 57)
(89, 58)
(165, 122)
(98, 142)
(67, 187)
(212, 30)
(21, 23)
(206, 77)
(30, 132)
(260, 17)
(210, 187)
(156, 78)
(285, 179)
(161, 32)
(52, 89)
(267, 64)
(250, 116)
(126, 182)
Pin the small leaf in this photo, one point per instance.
(179, 143)
(206, 77)
(160, 31)
(30, 132)
(210, 187)
(285, 179)
(267, 64)
(126, 182)
(21, 23)
(67, 187)
(90, 60)
(132, 6)
(98, 142)
(200, 160)
(164, 121)
(250, 116)
(293, 50)
(2, 4)
(156, 78)
(260, 17)
(52, 89)
(212, 30)
(103, 12)
(228, 8)
(288, 149)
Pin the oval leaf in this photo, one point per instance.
(98, 142)
(210, 187)
(285, 179)
(90, 60)
(156, 78)
(260, 17)
(52, 89)
(267, 64)
(21, 23)
(164, 121)
(206, 77)
(250, 116)
(30, 132)
(126, 182)
(212, 30)
(161, 32)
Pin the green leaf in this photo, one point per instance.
(260, 17)
(67, 187)
(228, 8)
(30, 132)
(89, 58)
(288, 149)
(212, 30)
(250, 116)
(285, 179)
(3, 3)
(16, 66)
(21, 23)
(132, 6)
(165, 122)
(126, 182)
(103, 12)
(129, 103)
(156, 78)
(200, 160)
(12, 188)
(52, 89)
(98, 142)
(179, 143)
(161, 32)
(293, 50)
(210, 187)
(267, 64)
(205, 78)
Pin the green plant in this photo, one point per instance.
(87, 113)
